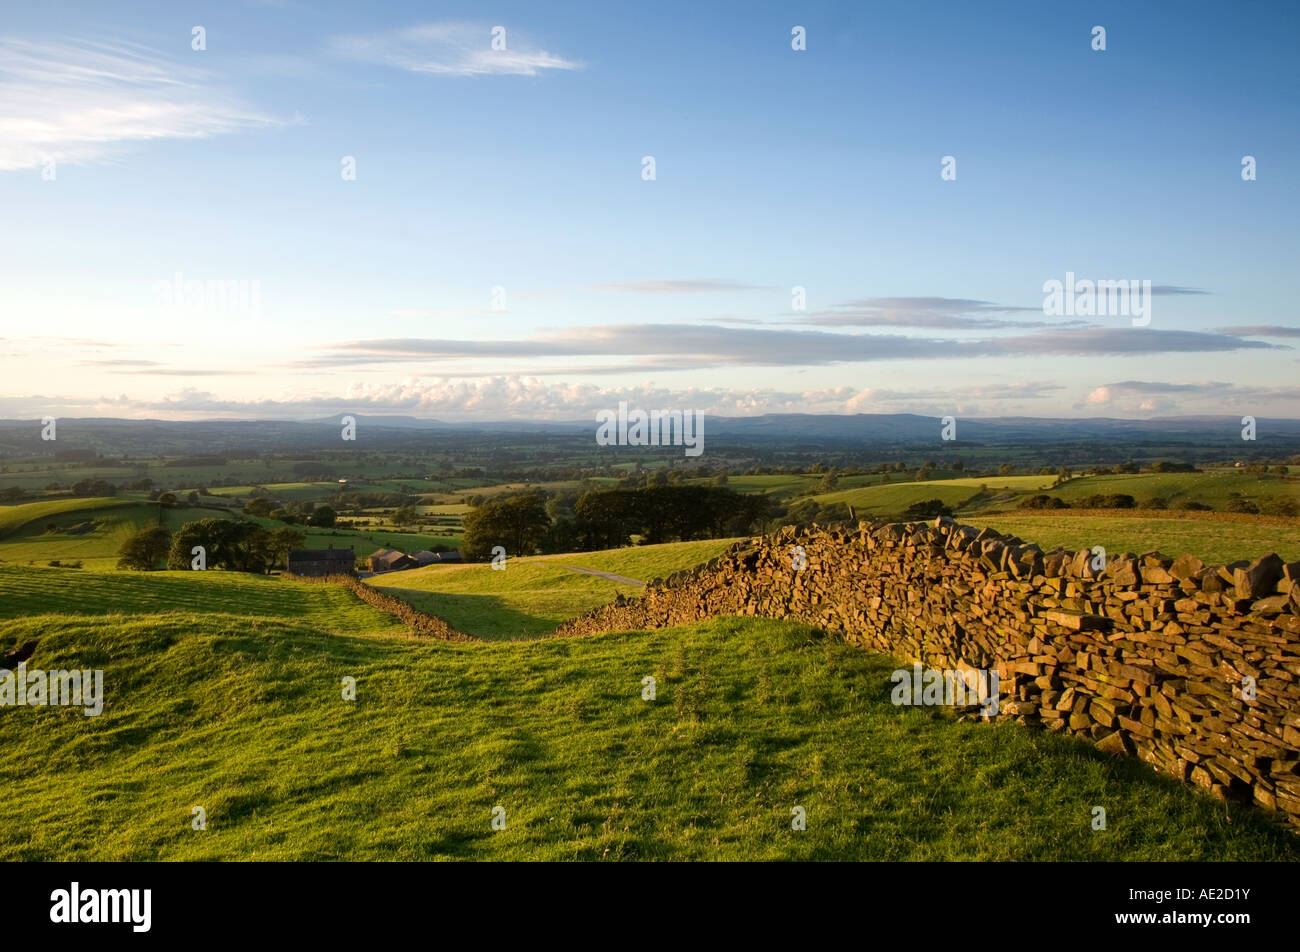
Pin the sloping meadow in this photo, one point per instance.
(288, 736)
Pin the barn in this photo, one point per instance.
(321, 562)
(390, 560)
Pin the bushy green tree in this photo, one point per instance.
(323, 517)
(236, 546)
(143, 550)
(519, 523)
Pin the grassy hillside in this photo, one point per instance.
(29, 592)
(1215, 489)
(752, 718)
(646, 562)
(13, 518)
(533, 595)
(890, 499)
(91, 533)
(1214, 537)
(27, 541)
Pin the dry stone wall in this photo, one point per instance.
(1194, 668)
(421, 623)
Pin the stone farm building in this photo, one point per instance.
(390, 560)
(321, 562)
(393, 560)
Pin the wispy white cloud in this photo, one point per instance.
(675, 286)
(79, 103)
(450, 49)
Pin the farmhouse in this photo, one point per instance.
(320, 562)
(390, 560)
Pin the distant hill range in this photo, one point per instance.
(789, 431)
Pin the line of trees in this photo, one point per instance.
(234, 545)
(608, 518)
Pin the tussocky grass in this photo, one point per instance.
(753, 717)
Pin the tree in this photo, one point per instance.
(927, 509)
(144, 549)
(283, 541)
(260, 506)
(519, 524)
(323, 517)
(236, 546)
(405, 516)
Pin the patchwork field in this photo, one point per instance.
(752, 718)
(92, 530)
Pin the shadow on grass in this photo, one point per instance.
(488, 617)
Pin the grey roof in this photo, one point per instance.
(318, 555)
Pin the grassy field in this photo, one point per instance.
(26, 540)
(13, 518)
(890, 499)
(752, 718)
(289, 492)
(108, 522)
(533, 595)
(30, 592)
(1215, 489)
(1213, 537)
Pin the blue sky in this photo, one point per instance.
(519, 172)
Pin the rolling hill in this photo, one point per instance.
(244, 717)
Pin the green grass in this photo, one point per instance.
(13, 518)
(532, 595)
(1035, 483)
(365, 541)
(752, 718)
(289, 492)
(27, 542)
(647, 562)
(27, 592)
(114, 520)
(1215, 489)
(1211, 539)
(891, 499)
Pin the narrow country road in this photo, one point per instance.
(609, 575)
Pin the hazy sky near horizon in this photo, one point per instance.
(500, 252)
